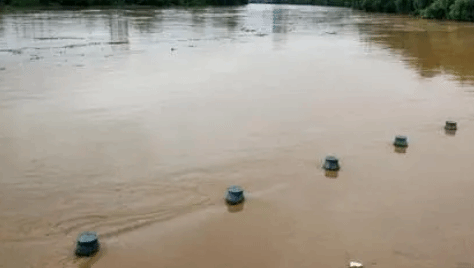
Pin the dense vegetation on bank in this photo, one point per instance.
(433, 9)
(85, 3)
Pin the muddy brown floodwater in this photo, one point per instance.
(132, 123)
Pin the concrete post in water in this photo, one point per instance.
(451, 125)
(234, 195)
(331, 163)
(400, 141)
(87, 244)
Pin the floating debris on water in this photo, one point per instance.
(248, 30)
(58, 38)
(118, 42)
(35, 57)
(13, 51)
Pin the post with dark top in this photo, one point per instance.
(87, 244)
(234, 195)
(401, 141)
(451, 125)
(331, 163)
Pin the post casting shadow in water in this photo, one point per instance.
(450, 132)
(88, 262)
(401, 150)
(235, 208)
(331, 174)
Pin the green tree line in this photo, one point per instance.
(432, 9)
(157, 3)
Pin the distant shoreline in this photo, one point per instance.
(61, 7)
(456, 10)
(25, 5)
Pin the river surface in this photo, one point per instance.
(133, 123)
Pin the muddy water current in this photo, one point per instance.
(132, 123)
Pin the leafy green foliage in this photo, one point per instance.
(159, 3)
(24, 3)
(462, 10)
(438, 9)
(432, 9)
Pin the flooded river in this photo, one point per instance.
(133, 123)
